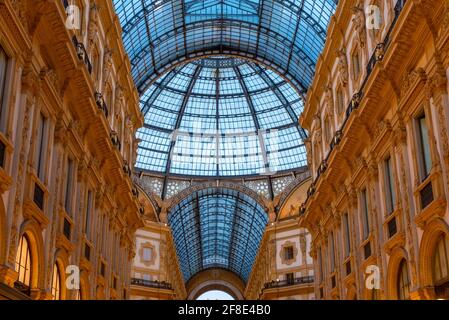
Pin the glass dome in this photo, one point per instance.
(221, 116)
(286, 35)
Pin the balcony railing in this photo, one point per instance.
(151, 283)
(82, 53)
(292, 282)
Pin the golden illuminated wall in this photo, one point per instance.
(68, 117)
(283, 268)
(155, 272)
(378, 113)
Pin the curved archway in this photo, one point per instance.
(215, 279)
(84, 289)
(431, 235)
(175, 200)
(32, 230)
(61, 261)
(286, 35)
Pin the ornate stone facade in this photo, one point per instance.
(283, 268)
(65, 194)
(380, 203)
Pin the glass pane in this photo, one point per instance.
(425, 147)
(217, 228)
(221, 116)
(347, 234)
(3, 69)
(365, 214)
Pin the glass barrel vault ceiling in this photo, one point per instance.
(288, 35)
(217, 228)
(223, 117)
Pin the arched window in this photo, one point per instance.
(403, 281)
(109, 98)
(441, 261)
(23, 262)
(56, 283)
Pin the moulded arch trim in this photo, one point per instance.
(62, 261)
(431, 233)
(33, 232)
(394, 262)
(216, 285)
(215, 279)
(178, 198)
(84, 285)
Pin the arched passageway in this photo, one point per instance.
(217, 228)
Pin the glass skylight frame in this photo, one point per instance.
(217, 228)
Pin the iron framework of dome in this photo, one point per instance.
(217, 228)
(287, 35)
(221, 117)
(221, 84)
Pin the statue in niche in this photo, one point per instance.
(343, 67)
(107, 65)
(163, 216)
(93, 24)
(359, 23)
(293, 210)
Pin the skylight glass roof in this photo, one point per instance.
(221, 116)
(217, 228)
(288, 35)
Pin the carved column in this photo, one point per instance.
(400, 148)
(30, 89)
(439, 103)
(353, 225)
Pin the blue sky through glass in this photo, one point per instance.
(246, 115)
(215, 295)
(217, 228)
(287, 35)
(223, 117)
